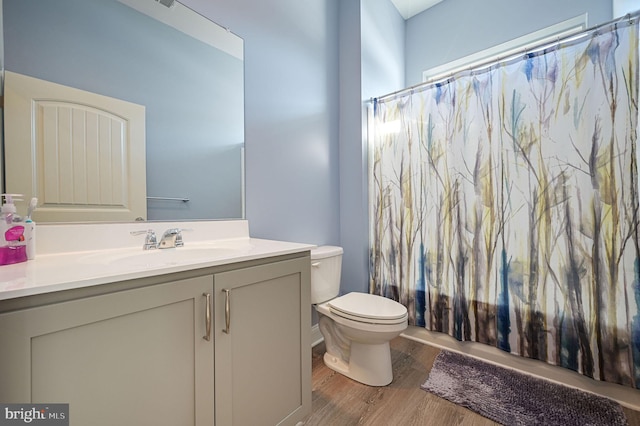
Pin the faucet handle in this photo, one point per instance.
(150, 241)
(172, 237)
(179, 242)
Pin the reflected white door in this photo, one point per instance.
(81, 154)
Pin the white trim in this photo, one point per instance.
(316, 336)
(509, 48)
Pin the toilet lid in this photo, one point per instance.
(368, 306)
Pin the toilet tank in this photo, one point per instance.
(326, 266)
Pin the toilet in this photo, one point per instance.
(357, 327)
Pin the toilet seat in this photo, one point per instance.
(368, 308)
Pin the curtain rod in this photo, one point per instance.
(629, 18)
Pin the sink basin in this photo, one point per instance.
(164, 257)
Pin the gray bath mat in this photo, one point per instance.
(513, 398)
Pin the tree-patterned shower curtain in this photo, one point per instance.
(504, 204)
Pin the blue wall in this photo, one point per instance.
(383, 49)
(353, 229)
(309, 69)
(291, 114)
(371, 63)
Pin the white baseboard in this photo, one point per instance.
(624, 395)
(316, 336)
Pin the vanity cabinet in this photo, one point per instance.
(262, 344)
(135, 357)
(140, 356)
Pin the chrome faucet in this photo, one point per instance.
(150, 240)
(171, 238)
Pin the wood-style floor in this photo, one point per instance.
(340, 401)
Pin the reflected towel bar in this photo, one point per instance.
(184, 200)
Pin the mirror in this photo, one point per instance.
(191, 85)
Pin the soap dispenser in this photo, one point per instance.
(12, 243)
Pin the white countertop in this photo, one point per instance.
(68, 269)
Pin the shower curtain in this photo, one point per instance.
(504, 204)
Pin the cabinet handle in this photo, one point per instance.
(207, 317)
(227, 310)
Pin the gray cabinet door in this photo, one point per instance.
(136, 357)
(263, 350)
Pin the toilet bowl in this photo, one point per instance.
(356, 327)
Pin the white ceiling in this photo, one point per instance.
(409, 8)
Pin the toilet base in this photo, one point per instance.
(368, 364)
